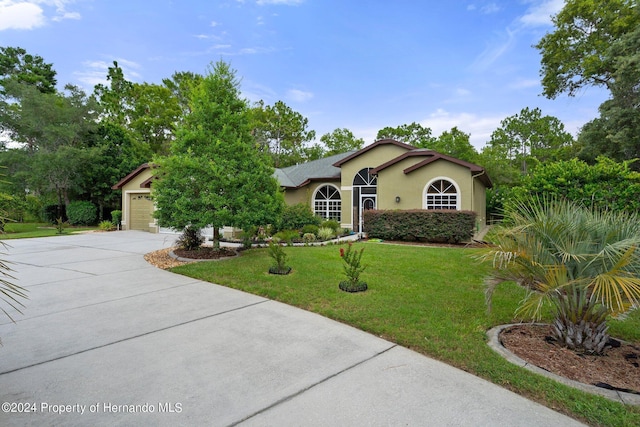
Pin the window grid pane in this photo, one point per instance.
(327, 203)
(442, 194)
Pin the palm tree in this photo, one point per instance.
(584, 263)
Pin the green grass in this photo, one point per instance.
(22, 230)
(428, 299)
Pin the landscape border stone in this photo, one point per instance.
(493, 336)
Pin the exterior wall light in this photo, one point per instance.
(397, 199)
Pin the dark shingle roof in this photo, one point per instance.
(299, 175)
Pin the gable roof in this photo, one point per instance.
(430, 157)
(300, 175)
(372, 146)
(146, 184)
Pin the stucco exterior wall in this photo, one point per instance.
(371, 159)
(411, 188)
(305, 194)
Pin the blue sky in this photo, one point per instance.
(363, 65)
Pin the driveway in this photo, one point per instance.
(107, 339)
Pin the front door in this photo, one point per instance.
(367, 202)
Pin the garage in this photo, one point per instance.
(137, 205)
(140, 212)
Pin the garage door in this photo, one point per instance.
(141, 212)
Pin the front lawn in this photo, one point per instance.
(428, 299)
(21, 230)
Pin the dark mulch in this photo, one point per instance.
(205, 252)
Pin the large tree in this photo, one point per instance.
(215, 174)
(147, 112)
(339, 141)
(616, 133)
(413, 134)
(456, 144)
(282, 132)
(529, 137)
(574, 54)
(19, 66)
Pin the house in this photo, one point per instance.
(384, 175)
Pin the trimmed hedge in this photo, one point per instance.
(434, 226)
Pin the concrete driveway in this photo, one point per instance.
(107, 339)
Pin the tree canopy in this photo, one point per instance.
(282, 133)
(529, 137)
(574, 54)
(215, 175)
(340, 140)
(19, 66)
(413, 134)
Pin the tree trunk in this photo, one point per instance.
(216, 237)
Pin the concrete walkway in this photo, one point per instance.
(107, 339)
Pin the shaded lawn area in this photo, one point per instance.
(22, 230)
(428, 299)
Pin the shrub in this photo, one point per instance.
(106, 226)
(308, 237)
(33, 209)
(325, 233)
(60, 225)
(332, 224)
(81, 213)
(12, 207)
(310, 228)
(352, 265)
(421, 225)
(295, 217)
(116, 217)
(279, 257)
(287, 236)
(190, 239)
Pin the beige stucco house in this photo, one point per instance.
(384, 175)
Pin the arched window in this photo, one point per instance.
(327, 202)
(442, 194)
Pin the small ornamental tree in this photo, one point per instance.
(215, 175)
(276, 252)
(352, 265)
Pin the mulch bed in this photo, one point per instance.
(205, 252)
(619, 368)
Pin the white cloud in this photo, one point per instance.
(540, 13)
(537, 14)
(490, 8)
(214, 24)
(30, 14)
(299, 95)
(463, 92)
(20, 16)
(480, 127)
(495, 51)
